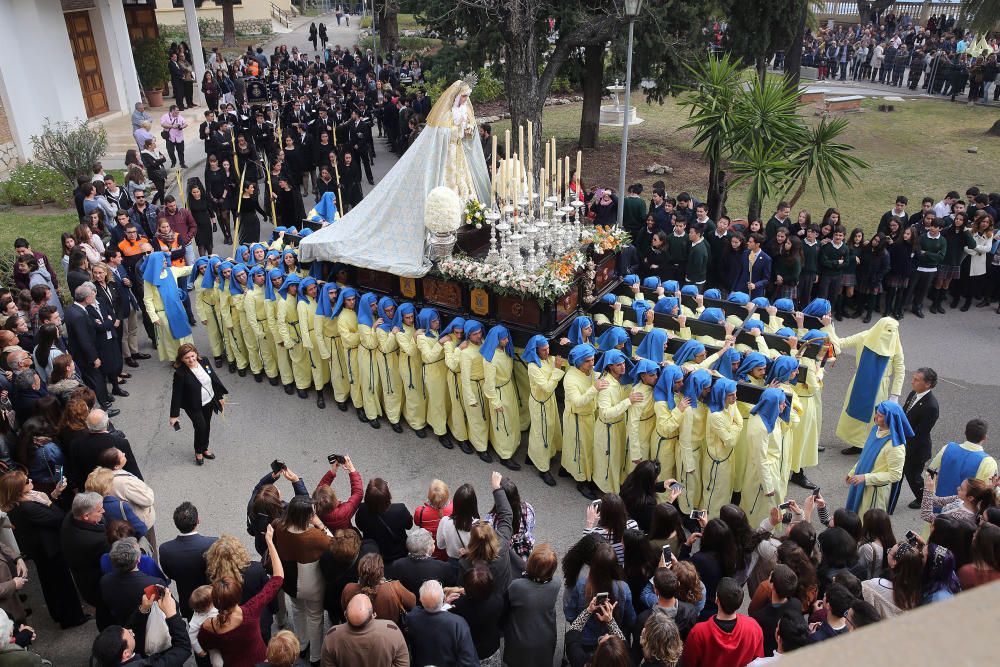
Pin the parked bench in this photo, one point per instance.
(844, 103)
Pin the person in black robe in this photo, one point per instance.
(350, 181)
(200, 205)
(288, 203)
(249, 223)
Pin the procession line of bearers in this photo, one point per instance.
(265, 314)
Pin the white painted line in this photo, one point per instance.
(954, 383)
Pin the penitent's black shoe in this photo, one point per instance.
(446, 442)
(466, 447)
(485, 457)
(510, 464)
(799, 479)
(547, 478)
(848, 451)
(397, 427)
(302, 393)
(421, 433)
(584, 489)
(913, 504)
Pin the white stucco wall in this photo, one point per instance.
(34, 90)
(250, 10)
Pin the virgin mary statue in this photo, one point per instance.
(386, 231)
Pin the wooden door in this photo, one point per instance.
(88, 65)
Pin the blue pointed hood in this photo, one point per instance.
(388, 322)
(761, 302)
(457, 324)
(783, 369)
(725, 363)
(631, 279)
(817, 308)
(664, 389)
(785, 304)
(575, 333)
(670, 287)
(530, 354)
(611, 357)
(641, 307)
(290, 280)
(289, 251)
(425, 318)
(306, 282)
(753, 323)
(767, 407)
(696, 382)
(235, 288)
(471, 326)
(784, 332)
(640, 367)
(713, 294)
(325, 301)
(614, 337)
(751, 361)
(492, 342)
(720, 390)
(689, 290)
(652, 345)
(713, 315)
(650, 282)
(365, 315)
(221, 281)
(342, 298)
(269, 286)
(668, 305)
(402, 311)
(156, 272)
(580, 353)
(739, 298)
(688, 351)
(208, 280)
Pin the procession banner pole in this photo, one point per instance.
(270, 190)
(239, 205)
(236, 156)
(336, 172)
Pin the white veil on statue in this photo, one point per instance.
(386, 230)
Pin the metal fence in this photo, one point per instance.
(847, 10)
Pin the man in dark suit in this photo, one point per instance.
(359, 138)
(177, 80)
(85, 449)
(755, 268)
(183, 558)
(122, 588)
(419, 566)
(83, 326)
(439, 637)
(84, 541)
(921, 408)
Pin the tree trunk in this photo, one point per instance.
(228, 24)
(389, 27)
(799, 191)
(762, 69)
(995, 130)
(525, 98)
(593, 86)
(716, 182)
(753, 210)
(793, 54)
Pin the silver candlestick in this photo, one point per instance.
(492, 217)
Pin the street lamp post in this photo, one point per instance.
(632, 8)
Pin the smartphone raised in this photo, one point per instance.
(911, 537)
(677, 486)
(336, 458)
(596, 505)
(601, 598)
(277, 466)
(816, 492)
(698, 514)
(667, 554)
(177, 426)
(784, 506)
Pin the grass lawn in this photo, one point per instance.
(404, 21)
(42, 227)
(918, 150)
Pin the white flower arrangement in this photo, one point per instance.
(442, 210)
(546, 285)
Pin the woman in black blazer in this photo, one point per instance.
(200, 392)
(37, 523)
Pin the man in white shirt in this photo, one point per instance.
(942, 209)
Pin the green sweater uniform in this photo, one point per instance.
(697, 262)
(829, 264)
(932, 252)
(678, 248)
(810, 258)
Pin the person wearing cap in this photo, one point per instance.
(876, 478)
(580, 390)
(668, 406)
(164, 304)
(641, 415)
(473, 376)
(329, 345)
(725, 424)
(410, 370)
(345, 311)
(434, 373)
(451, 340)
(545, 434)
(692, 438)
(254, 304)
(497, 351)
(386, 328)
(368, 372)
(274, 302)
(306, 306)
(290, 328)
(760, 485)
(610, 428)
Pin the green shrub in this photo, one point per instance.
(70, 148)
(150, 56)
(561, 86)
(32, 184)
(489, 87)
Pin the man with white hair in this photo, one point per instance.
(86, 448)
(419, 565)
(83, 325)
(84, 541)
(438, 637)
(364, 641)
(122, 588)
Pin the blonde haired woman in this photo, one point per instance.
(428, 516)
(228, 558)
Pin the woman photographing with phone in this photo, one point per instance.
(201, 393)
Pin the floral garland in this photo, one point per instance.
(546, 285)
(474, 214)
(607, 238)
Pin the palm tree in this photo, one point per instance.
(823, 157)
(711, 109)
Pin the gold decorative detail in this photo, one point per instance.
(479, 301)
